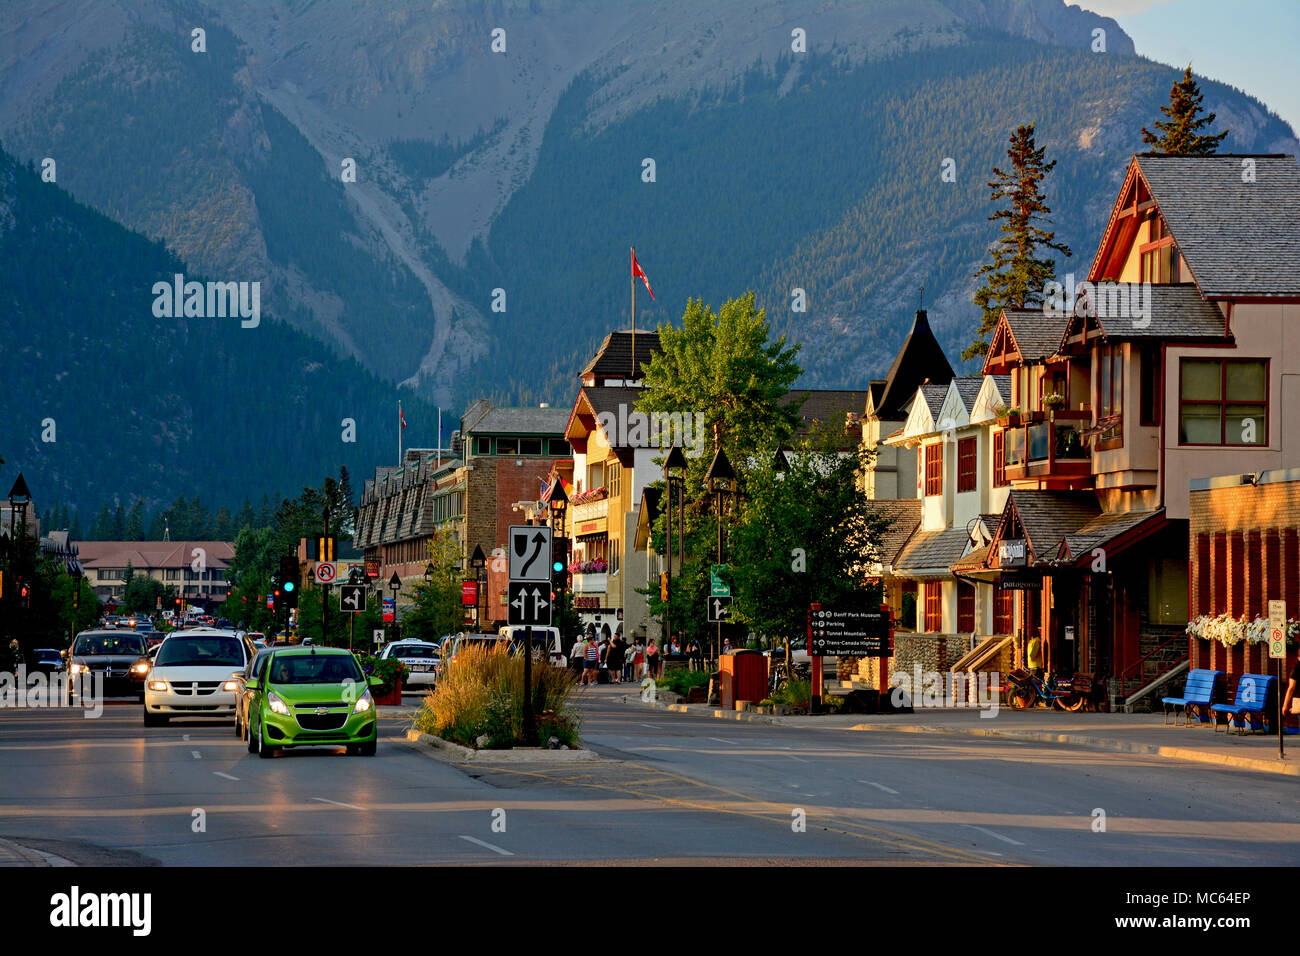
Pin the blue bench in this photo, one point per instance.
(1203, 688)
(1252, 695)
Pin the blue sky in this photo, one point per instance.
(1250, 44)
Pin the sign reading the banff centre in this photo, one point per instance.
(845, 632)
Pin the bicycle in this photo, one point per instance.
(1024, 690)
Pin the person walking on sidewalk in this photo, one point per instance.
(652, 659)
(591, 672)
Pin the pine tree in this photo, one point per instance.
(135, 522)
(1016, 276)
(1178, 134)
(101, 529)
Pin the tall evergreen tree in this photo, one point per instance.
(1178, 134)
(101, 529)
(135, 522)
(119, 525)
(1017, 274)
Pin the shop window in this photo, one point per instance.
(530, 446)
(507, 446)
(559, 448)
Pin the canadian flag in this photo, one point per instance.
(401, 416)
(639, 273)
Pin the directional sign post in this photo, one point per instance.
(529, 598)
(1277, 650)
(326, 572)
(530, 553)
(719, 609)
(718, 587)
(848, 632)
(530, 604)
(352, 598)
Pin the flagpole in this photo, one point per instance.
(399, 433)
(632, 269)
(439, 437)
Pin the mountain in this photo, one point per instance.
(104, 401)
(521, 170)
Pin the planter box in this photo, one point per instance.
(392, 699)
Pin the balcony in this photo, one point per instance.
(1053, 449)
(591, 583)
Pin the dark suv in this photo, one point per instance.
(116, 654)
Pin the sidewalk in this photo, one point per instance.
(1119, 733)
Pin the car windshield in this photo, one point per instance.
(94, 644)
(413, 650)
(47, 655)
(201, 652)
(315, 669)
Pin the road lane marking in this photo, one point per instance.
(879, 786)
(494, 849)
(197, 755)
(226, 775)
(185, 737)
(793, 757)
(996, 836)
(350, 806)
(724, 740)
(651, 726)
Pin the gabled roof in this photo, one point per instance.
(934, 396)
(1036, 333)
(1105, 531)
(1239, 233)
(1046, 517)
(1124, 311)
(905, 517)
(521, 421)
(932, 553)
(613, 359)
(968, 390)
(920, 358)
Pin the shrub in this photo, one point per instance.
(796, 693)
(681, 681)
(481, 693)
(389, 671)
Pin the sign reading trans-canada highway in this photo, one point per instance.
(844, 632)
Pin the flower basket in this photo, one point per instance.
(1013, 419)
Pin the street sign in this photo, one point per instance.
(372, 567)
(390, 610)
(530, 553)
(326, 572)
(1277, 629)
(1277, 614)
(719, 609)
(530, 604)
(378, 635)
(848, 632)
(469, 594)
(352, 598)
(717, 587)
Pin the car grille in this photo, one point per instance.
(198, 688)
(322, 721)
(327, 703)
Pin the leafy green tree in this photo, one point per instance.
(1179, 133)
(142, 593)
(804, 534)
(437, 609)
(1017, 274)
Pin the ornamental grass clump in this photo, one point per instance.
(480, 695)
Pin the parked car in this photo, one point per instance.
(420, 657)
(46, 660)
(311, 697)
(550, 636)
(113, 653)
(194, 675)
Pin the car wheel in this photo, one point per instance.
(368, 748)
(153, 720)
(252, 740)
(263, 750)
(239, 731)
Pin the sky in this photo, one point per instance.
(1250, 44)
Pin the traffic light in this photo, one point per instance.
(289, 577)
(24, 593)
(559, 565)
(663, 585)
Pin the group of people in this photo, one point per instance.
(593, 655)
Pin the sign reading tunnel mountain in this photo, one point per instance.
(848, 632)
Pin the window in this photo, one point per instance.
(934, 469)
(933, 591)
(1159, 264)
(1223, 402)
(966, 458)
(1110, 395)
(483, 446)
(1004, 609)
(530, 446)
(965, 608)
(507, 446)
(614, 480)
(1148, 372)
(559, 448)
(999, 459)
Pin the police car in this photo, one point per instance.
(420, 657)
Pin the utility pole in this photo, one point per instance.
(325, 588)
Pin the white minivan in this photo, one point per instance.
(194, 675)
(551, 636)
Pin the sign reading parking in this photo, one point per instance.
(530, 553)
(352, 598)
(719, 609)
(326, 572)
(530, 604)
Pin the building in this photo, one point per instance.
(1179, 363)
(194, 570)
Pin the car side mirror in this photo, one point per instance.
(375, 681)
(251, 683)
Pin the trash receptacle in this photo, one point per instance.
(744, 677)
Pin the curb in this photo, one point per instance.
(15, 854)
(518, 755)
(1078, 740)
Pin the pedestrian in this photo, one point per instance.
(638, 658)
(577, 655)
(591, 670)
(693, 652)
(726, 645)
(615, 659)
(1290, 703)
(1035, 656)
(652, 658)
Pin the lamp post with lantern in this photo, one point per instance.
(720, 480)
(478, 561)
(674, 476)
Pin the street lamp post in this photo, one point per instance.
(394, 585)
(674, 473)
(478, 561)
(721, 480)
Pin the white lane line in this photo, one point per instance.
(226, 775)
(724, 740)
(197, 755)
(494, 849)
(996, 836)
(651, 726)
(879, 786)
(793, 757)
(185, 737)
(350, 806)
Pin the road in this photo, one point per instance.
(671, 788)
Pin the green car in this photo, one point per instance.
(311, 697)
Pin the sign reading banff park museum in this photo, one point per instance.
(848, 632)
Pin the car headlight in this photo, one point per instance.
(79, 668)
(141, 668)
(157, 685)
(276, 704)
(364, 702)
(230, 685)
